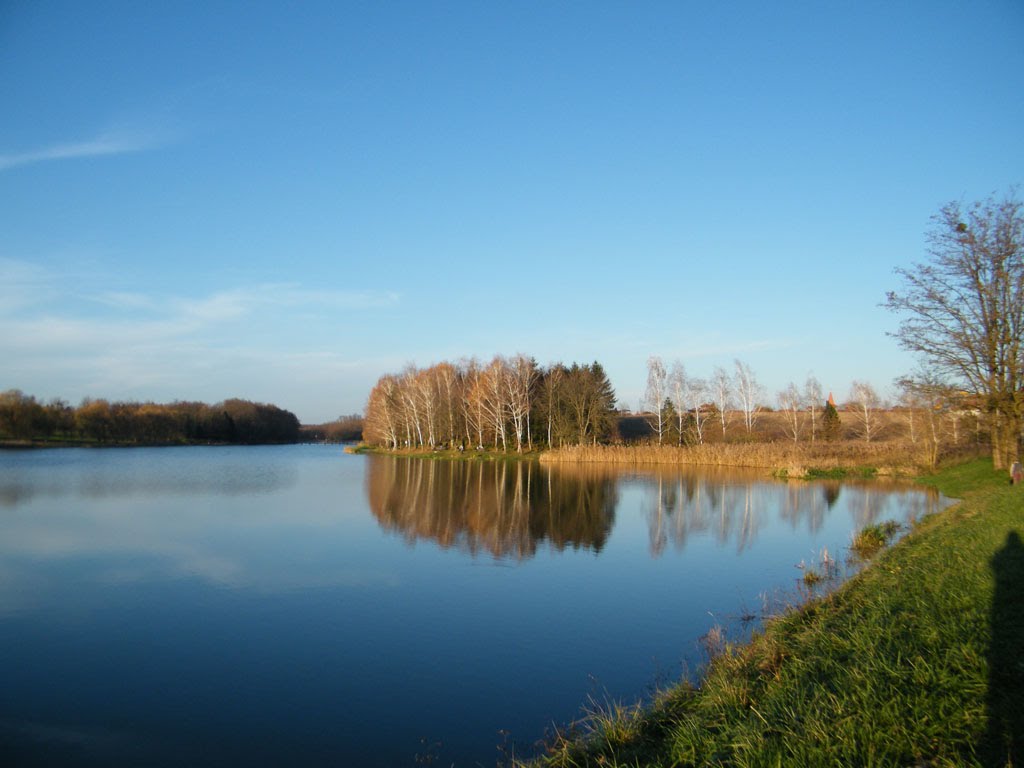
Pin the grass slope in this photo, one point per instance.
(917, 661)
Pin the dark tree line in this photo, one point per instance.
(344, 429)
(22, 417)
(508, 404)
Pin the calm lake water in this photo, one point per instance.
(297, 605)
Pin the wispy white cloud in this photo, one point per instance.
(240, 301)
(108, 143)
(131, 318)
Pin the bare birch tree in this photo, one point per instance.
(414, 427)
(721, 392)
(425, 391)
(813, 400)
(382, 417)
(865, 401)
(791, 403)
(656, 394)
(519, 380)
(748, 393)
(494, 398)
(695, 392)
(472, 404)
(447, 376)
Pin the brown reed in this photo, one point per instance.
(784, 458)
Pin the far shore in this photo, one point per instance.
(16, 445)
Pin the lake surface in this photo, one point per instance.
(297, 605)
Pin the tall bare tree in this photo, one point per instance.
(791, 403)
(865, 402)
(550, 394)
(813, 400)
(721, 392)
(930, 398)
(749, 393)
(473, 404)
(695, 392)
(963, 311)
(494, 398)
(382, 413)
(448, 388)
(519, 381)
(656, 394)
(678, 383)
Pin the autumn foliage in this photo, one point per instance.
(22, 417)
(508, 404)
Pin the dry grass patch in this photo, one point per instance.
(793, 460)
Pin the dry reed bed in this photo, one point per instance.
(793, 459)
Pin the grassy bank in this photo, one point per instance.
(913, 662)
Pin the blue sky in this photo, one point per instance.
(283, 201)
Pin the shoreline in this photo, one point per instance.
(895, 667)
(844, 460)
(31, 445)
(446, 454)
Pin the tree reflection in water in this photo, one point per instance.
(683, 502)
(509, 509)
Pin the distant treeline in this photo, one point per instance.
(22, 417)
(344, 429)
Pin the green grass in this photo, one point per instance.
(840, 473)
(960, 479)
(870, 539)
(916, 661)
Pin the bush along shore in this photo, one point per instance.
(915, 661)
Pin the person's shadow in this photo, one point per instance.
(1003, 743)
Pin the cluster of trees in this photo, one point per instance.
(681, 409)
(22, 417)
(680, 406)
(508, 403)
(734, 405)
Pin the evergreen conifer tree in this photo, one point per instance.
(830, 422)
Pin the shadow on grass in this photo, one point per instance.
(1003, 743)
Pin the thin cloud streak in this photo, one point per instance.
(230, 304)
(174, 317)
(102, 145)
